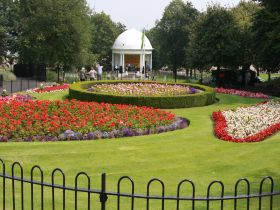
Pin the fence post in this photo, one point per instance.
(1, 80)
(21, 85)
(103, 196)
(11, 86)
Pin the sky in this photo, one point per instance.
(141, 14)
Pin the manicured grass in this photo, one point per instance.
(60, 95)
(193, 153)
(265, 76)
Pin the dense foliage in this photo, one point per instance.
(215, 38)
(172, 34)
(237, 37)
(54, 32)
(66, 33)
(104, 33)
(266, 30)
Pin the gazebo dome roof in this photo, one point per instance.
(131, 40)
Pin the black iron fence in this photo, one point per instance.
(19, 192)
(20, 84)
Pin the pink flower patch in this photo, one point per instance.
(241, 93)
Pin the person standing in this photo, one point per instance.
(92, 74)
(99, 72)
(82, 74)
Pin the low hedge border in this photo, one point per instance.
(79, 91)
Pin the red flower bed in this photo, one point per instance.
(221, 132)
(38, 120)
(51, 88)
(241, 93)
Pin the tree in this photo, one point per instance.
(55, 33)
(266, 30)
(214, 42)
(8, 28)
(173, 34)
(244, 13)
(104, 33)
(154, 38)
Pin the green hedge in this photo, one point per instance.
(79, 91)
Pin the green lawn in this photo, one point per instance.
(265, 76)
(193, 153)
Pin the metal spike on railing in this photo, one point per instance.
(32, 187)
(76, 188)
(179, 189)
(222, 193)
(132, 191)
(58, 170)
(162, 192)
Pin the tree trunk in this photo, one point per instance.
(201, 76)
(269, 75)
(194, 73)
(57, 69)
(175, 74)
(191, 73)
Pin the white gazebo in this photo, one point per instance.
(129, 51)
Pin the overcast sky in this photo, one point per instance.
(143, 13)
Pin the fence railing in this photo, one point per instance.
(12, 199)
(20, 84)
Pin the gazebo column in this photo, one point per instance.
(141, 62)
(113, 61)
(151, 62)
(123, 62)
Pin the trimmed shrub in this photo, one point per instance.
(80, 91)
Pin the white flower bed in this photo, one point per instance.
(247, 121)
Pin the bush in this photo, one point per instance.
(271, 87)
(51, 76)
(79, 91)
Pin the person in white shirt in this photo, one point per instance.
(99, 72)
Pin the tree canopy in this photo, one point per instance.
(8, 27)
(172, 33)
(104, 32)
(215, 39)
(244, 13)
(266, 29)
(54, 32)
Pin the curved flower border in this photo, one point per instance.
(70, 135)
(13, 121)
(49, 89)
(220, 130)
(241, 93)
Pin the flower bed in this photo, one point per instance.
(144, 89)
(241, 93)
(248, 124)
(75, 120)
(16, 97)
(194, 95)
(49, 88)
